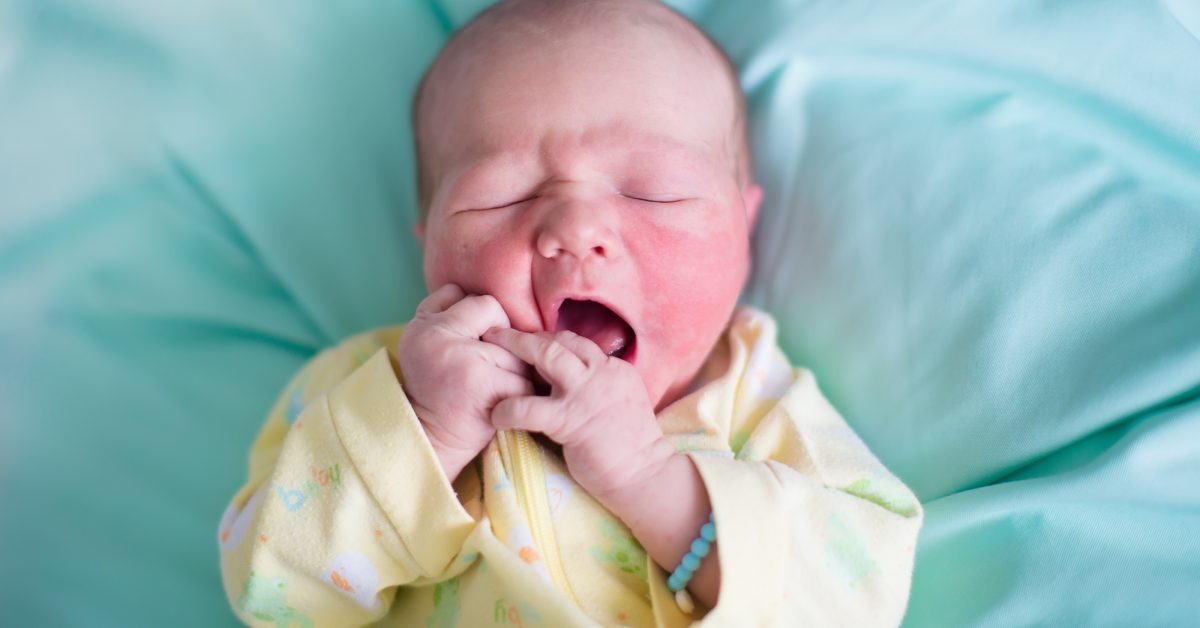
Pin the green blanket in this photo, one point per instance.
(981, 231)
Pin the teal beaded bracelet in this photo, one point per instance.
(691, 561)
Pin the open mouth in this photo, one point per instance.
(599, 324)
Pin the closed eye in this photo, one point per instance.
(651, 199)
(504, 205)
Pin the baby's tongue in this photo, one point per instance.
(596, 323)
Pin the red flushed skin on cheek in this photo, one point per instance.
(485, 261)
(690, 281)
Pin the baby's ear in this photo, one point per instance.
(751, 198)
(418, 229)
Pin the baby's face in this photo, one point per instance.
(599, 170)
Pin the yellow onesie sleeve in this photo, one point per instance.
(345, 501)
(812, 530)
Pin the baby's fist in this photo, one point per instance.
(597, 409)
(453, 379)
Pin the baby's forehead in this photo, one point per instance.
(582, 132)
(535, 27)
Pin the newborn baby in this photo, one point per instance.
(587, 200)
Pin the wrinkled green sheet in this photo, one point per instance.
(981, 230)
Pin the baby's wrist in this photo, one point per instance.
(637, 478)
(665, 511)
(452, 459)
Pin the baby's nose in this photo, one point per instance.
(578, 229)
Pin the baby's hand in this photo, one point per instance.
(452, 379)
(598, 410)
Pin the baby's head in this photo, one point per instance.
(586, 163)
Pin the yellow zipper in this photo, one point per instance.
(529, 476)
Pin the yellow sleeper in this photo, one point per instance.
(347, 517)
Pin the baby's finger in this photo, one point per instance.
(440, 299)
(474, 315)
(506, 385)
(532, 414)
(502, 359)
(581, 346)
(558, 365)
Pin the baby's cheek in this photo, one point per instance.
(691, 281)
(694, 272)
(493, 266)
(457, 258)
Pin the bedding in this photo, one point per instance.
(981, 232)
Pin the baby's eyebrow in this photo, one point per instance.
(620, 138)
(654, 147)
(672, 156)
(611, 148)
(495, 159)
(482, 171)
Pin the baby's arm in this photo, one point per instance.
(327, 525)
(347, 498)
(811, 528)
(349, 490)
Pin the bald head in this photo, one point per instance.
(552, 27)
